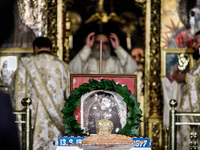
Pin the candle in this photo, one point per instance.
(100, 58)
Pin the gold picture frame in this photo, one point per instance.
(92, 98)
(9, 59)
(15, 50)
(129, 80)
(169, 59)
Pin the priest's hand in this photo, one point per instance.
(90, 39)
(179, 77)
(114, 41)
(170, 78)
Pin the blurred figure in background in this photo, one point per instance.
(137, 54)
(44, 79)
(87, 60)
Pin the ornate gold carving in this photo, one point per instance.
(104, 127)
(52, 24)
(73, 21)
(155, 122)
(140, 1)
(128, 23)
(155, 132)
(183, 61)
(101, 16)
(33, 14)
(155, 83)
(72, 24)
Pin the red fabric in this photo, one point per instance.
(183, 39)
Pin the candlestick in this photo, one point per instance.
(100, 58)
(128, 41)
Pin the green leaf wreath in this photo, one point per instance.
(72, 103)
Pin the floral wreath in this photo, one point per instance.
(72, 103)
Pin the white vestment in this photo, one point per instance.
(83, 63)
(190, 103)
(44, 79)
(171, 90)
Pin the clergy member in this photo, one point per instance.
(45, 79)
(190, 101)
(87, 60)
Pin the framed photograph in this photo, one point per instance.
(8, 64)
(97, 104)
(182, 59)
(9, 59)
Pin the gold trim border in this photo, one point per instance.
(16, 50)
(183, 50)
(147, 65)
(59, 29)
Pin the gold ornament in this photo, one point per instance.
(101, 16)
(104, 127)
(183, 60)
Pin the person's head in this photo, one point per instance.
(137, 55)
(42, 44)
(105, 103)
(196, 45)
(106, 48)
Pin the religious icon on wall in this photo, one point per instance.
(180, 21)
(8, 64)
(176, 60)
(179, 62)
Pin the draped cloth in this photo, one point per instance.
(83, 63)
(171, 90)
(44, 79)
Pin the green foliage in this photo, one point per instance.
(72, 127)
